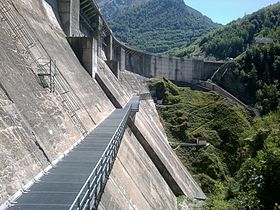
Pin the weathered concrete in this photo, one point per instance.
(136, 181)
(37, 120)
(85, 49)
(162, 149)
(36, 128)
(226, 94)
(111, 86)
(89, 92)
(20, 155)
(139, 85)
(109, 47)
(172, 68)
(70, 16)
(32, 122)
(148, 124)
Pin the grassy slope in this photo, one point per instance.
(235, 140)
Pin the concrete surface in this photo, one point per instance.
(165, 155)
(35, 128)
(155, 143)
(43, 130)
(89, 161)
(136, 181)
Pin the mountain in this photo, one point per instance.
(110, 8)
(157, 25)
(233, 39)
(253, 44)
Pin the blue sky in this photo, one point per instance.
(224, 11)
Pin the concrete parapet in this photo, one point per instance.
(172, 68)
(223, 92)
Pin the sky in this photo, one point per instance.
(224, 11)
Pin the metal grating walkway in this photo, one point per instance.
(78, 180)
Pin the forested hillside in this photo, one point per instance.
(234, 38)
(160, 25)
(254, 77)
(241, 165)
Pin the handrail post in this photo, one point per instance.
(88, 196)
(79, 202)
(50, 75)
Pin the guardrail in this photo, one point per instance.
(90, 194)
(87, 192)
(45, 65)
(223, 92)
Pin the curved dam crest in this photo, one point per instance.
(62, 73)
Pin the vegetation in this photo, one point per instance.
(160, 25)
(234, 38)
(255, 75)
(241, 165)
(183, 202)
(110, 8)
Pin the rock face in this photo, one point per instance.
(111, 7)
(36, 126)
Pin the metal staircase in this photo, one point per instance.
(46, 69)
(78, 180)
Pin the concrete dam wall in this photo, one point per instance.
(172, 68)
(80, 25)
(61, 74)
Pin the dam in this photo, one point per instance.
(63, 76)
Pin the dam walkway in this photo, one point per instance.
(78, 180)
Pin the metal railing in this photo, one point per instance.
(91, 192)
(8, 15)
(47, 70)
(46, 73)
